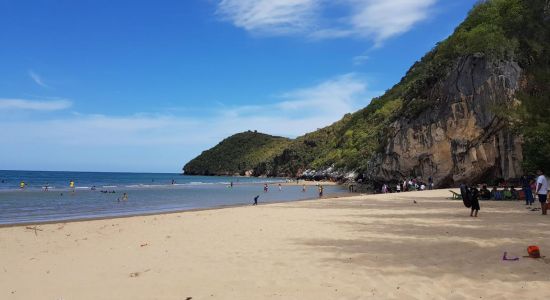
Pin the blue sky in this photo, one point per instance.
(147, 85)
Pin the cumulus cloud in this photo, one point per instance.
(377, 20)
(36, 105)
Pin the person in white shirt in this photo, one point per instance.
(542, 190)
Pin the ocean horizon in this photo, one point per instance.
(101, 194)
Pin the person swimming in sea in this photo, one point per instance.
(22, 184)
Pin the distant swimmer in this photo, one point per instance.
(320, 191)
(266, 188)
(93, 188)
(46, 187)
(22, 185)
(231, 184)
(125, 197)
(173, 181)
(71, 184)
(304, 188)
(256, 200)
(280, 187)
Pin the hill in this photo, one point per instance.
(473, 109)
(237, 154)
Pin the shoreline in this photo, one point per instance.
(143, 214)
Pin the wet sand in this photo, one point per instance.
(363, 247)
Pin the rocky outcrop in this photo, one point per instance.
(459, 137)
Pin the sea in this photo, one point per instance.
(48, 196)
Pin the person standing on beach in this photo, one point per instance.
(474, 192)
(256, 200)
(526, 187)
(542, 190)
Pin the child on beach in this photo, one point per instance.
(256, 200)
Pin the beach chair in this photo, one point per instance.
(455, 196)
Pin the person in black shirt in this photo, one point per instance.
(474, 194)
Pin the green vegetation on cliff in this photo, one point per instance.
(498, 29)
(514, 30)
(237, 154)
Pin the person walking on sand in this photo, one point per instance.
(542, 190)
(474, 194)
(256, 200)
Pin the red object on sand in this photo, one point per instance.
(533, 251)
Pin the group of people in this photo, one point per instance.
(407, 185)
(320, 189)
(539, 185)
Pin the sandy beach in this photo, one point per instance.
(362, 247)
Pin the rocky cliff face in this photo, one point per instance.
(459, 138)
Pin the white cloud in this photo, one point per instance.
(335, 96)
(360, 59)
(268, 16)
(37, 105)
(382, 19)
(147, 136)
(37, 79)
(377, 20)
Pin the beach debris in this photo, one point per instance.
(143, 245)
(414, 201)
(35, 228)
(136, 274)
(188, 298)
(505, 257)
(533, 251)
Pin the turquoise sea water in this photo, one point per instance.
(147, 193)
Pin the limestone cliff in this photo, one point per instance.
(459, 138)
(473, 109)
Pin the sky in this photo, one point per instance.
(145, 86)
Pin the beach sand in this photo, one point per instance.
(363, 247)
